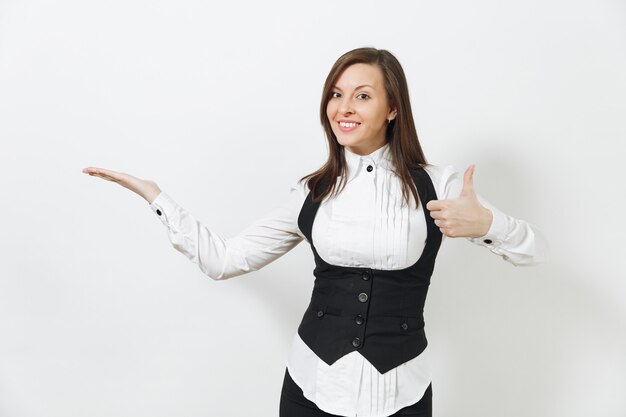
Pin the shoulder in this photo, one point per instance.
(298, 193)
(300, 187)
(444, 178)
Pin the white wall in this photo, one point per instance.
(100, 316)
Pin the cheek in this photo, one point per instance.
(330, 110)
(377, 115)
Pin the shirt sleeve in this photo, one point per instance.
(220, 258)
(514, 240)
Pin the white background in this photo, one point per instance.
(100, 316)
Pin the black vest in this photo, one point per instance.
(377, 312)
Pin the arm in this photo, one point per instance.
(514, 240)
(220, 258)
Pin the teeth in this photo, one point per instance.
(343, 124)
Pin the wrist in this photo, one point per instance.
(487, 220)
(152, 194)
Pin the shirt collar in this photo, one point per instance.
(380, 158)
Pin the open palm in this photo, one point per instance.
(147, 189)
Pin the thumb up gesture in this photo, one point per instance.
(463, 216)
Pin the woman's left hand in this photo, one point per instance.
(463, 216)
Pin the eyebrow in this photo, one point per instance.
(361, 86)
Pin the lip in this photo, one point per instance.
(348, 129)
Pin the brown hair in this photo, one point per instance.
(405, 149)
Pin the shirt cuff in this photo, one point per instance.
(164, 207)
(497, 232)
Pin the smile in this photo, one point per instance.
(348, 126)
(344, 124)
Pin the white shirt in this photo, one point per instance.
(364, 226)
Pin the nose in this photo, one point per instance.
(345, 106)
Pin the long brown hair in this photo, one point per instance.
(405, 149)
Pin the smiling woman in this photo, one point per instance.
(375, 215)
(365, 105)
(359, 109)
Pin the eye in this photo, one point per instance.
(363, 95)
(332, 95)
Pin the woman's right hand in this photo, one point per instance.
(147, 189)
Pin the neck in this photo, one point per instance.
(365, 150)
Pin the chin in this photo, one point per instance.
(346, 142)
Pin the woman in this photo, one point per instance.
(374, 214)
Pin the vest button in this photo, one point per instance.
(365, 276)
(405, 326)
(362, 297)
(487, 241)
(356, 342)
(370, 168)
(158, 212)
(359, 319)
(320, 313)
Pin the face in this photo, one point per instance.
(358, 109)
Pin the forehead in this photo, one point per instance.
(360, 74)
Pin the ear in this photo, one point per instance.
(392, 114)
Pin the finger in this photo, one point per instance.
(468, 180)
(104, 173)
(436, 214)
(100, 174)
(91, 170)
(435, 205)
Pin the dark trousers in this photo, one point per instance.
(294, 404)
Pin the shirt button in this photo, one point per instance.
(320, 313)
(362, 297)
(365, 276)
(405, 326)
(359, 319)
(370, 168)
(487, 241)
(356, 342)
(158, 212)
